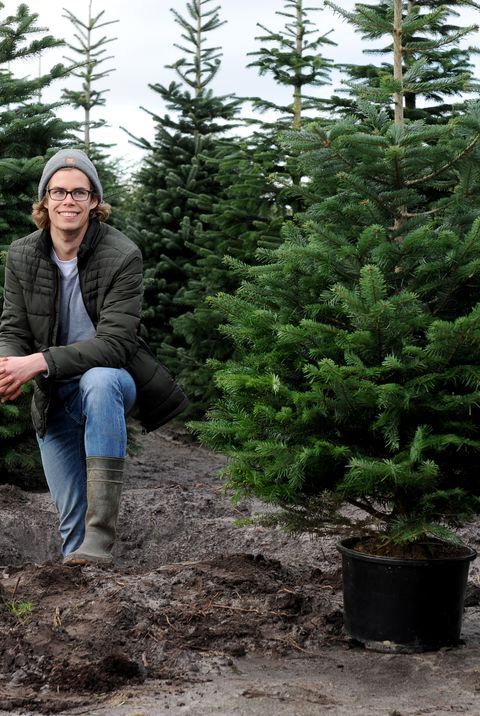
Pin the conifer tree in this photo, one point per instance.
(292, 58)
(29, 128)
(88, 59)
(256, 194)
(357, 378)
(437, 65)
(176, 181)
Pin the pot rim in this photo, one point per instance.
(346, 547)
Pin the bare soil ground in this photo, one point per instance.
(201, 614)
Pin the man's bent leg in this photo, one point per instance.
(107, 395)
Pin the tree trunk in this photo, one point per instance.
(198, 55)
(297, 91)
(397, 61)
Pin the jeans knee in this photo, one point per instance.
(99, 378)
(99, 384)
(107, 385)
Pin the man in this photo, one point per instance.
(72, 302)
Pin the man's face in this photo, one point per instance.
(69, 215)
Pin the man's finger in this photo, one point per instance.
(11, 394)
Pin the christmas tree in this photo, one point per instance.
(176, 180)
(357, 379)
(437, 65)
(89, 56)
(258, 188)
(29, 128)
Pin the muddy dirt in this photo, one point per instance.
(203, 612)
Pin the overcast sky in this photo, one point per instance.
(146, 33)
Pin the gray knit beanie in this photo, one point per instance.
(70, 159)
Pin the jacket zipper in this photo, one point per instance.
(56, 299)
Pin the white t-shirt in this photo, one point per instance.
(74, 322)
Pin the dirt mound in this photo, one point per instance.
(90, 630)
(68, 634)
(11, 496)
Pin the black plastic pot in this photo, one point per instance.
(403, 604)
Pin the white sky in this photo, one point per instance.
(145, 34)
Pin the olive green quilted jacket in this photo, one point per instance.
(111, 280)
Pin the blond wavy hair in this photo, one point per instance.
(42, 220)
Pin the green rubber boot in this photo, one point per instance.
(104, 488)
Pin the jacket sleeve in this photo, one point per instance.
(15, 336)
(115, 341)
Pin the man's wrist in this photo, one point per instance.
(39, 364)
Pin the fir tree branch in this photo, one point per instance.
(368, 508)
(447, 165)
(413, 215)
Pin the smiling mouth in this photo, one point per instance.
(71, 214)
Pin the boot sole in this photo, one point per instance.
(82, 560)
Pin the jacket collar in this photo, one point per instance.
(90, 241)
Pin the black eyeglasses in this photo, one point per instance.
(58, 194)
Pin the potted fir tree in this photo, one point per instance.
(358, 378)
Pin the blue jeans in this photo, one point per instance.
(87, 418)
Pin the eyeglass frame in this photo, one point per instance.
(79, 188)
